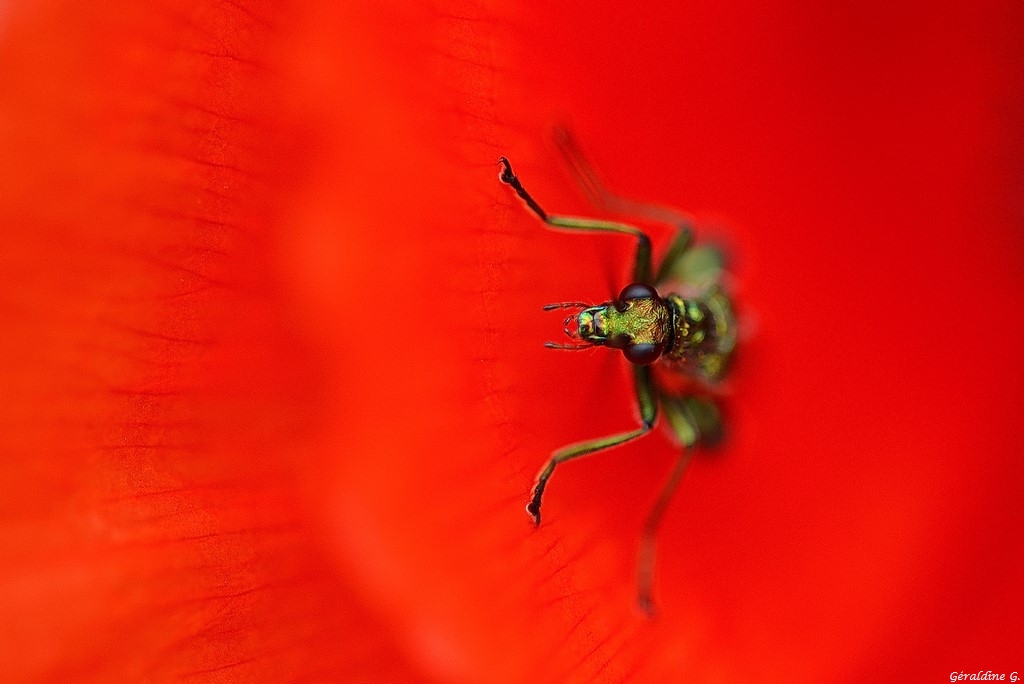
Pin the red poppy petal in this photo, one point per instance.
(290, 283)
(155, 386)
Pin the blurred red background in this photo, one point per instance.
(274, 391)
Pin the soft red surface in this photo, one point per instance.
(274, 390)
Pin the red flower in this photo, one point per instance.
(275, 391)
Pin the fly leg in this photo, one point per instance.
(648, 406)
(700, 267)
(604, 198)
(642, 263)
(645, 569)
(694, 421)
(675, 252)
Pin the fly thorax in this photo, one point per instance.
(638, 321)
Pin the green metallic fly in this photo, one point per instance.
(679, 342)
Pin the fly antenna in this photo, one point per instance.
(566, 305)
(567, 347)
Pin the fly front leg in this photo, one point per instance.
(642, 261)
(648, 407)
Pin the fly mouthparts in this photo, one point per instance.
(571, 327)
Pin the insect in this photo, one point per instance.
(674, 325)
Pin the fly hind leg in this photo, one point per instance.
(694, 421)
(601, 196)
(605, 199)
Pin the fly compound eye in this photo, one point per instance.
(634, 291)
(642, 354)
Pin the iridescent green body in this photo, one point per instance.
(688, 329)
(696, 335)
